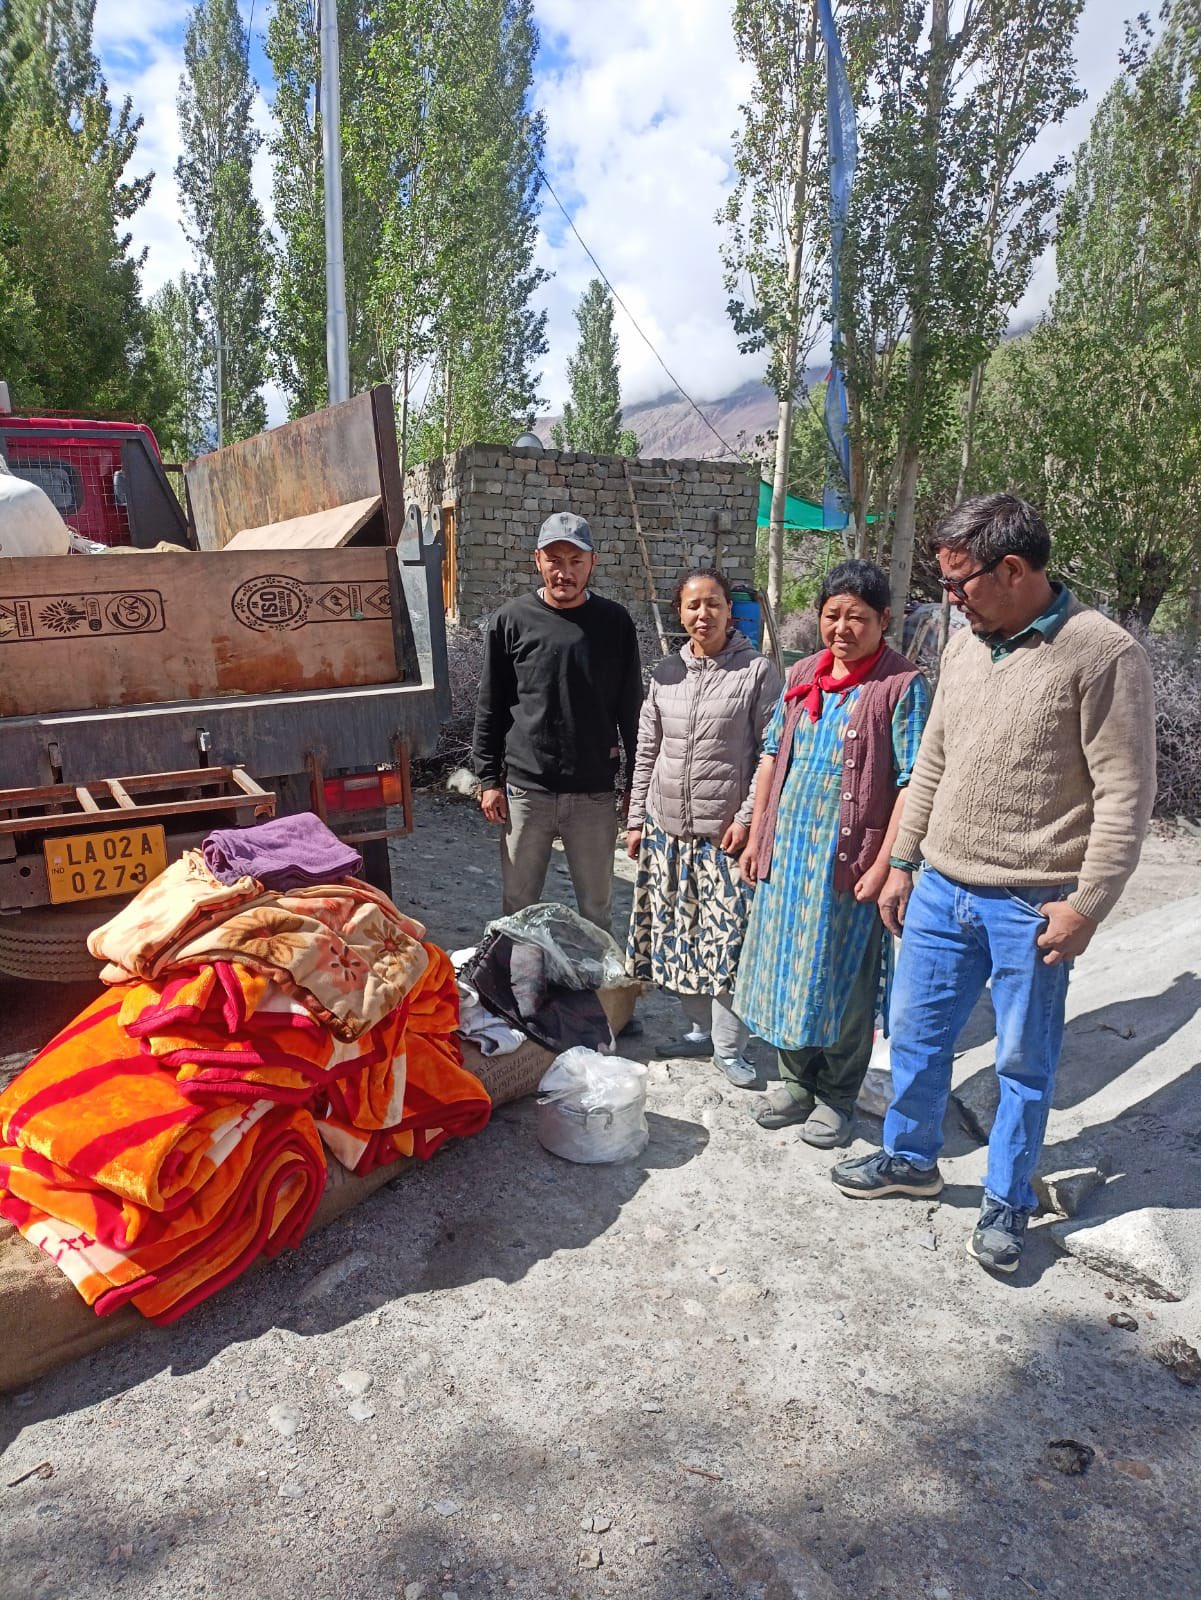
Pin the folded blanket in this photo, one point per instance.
(169, 1135)
(177, 1261)
(137, 1191)
(232, 1034)
(285, 853)
(343, 950)
(441, 1099)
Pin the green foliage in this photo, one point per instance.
(298, 356)
(223, 220)
(946, 223)
(72, 330)
(591, 419)
(440, 207)
(183, 355)
(1096, 415)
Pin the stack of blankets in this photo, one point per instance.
(177, 1129)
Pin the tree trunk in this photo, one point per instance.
(779, 497)
(404, 417)
(975, 385)
(796, 253)
(901, 571)
(901, 567)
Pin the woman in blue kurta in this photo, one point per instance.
(837, 755)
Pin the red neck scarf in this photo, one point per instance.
(824, 682)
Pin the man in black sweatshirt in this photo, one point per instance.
(561, 683)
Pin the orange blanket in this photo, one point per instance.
(170, 1134)
(138, 1192)
(442, 1099)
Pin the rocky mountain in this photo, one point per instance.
(670, 429)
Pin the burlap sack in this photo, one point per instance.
(44, 1323)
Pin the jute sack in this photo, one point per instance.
(44, 1323)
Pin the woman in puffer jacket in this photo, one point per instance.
(699, 740)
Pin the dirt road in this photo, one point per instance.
(699, 1375)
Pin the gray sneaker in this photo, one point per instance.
(870, 1177)
(999, 1236)
(739, 1071)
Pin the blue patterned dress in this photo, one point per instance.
(805, 942)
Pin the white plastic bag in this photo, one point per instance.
(592, 1108)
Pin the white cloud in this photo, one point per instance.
(641, 99)
(640, 106)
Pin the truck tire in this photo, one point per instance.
(48, 944)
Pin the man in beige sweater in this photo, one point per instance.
(1029, 801)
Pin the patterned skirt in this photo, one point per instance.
(690, 914)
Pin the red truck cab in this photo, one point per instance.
(105, 479)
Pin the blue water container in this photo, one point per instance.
(748, 618)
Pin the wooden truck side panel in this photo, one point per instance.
(80, 633)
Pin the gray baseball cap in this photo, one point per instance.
(565, 526)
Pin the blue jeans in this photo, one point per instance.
(957, 937)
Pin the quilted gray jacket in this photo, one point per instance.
(699, 739)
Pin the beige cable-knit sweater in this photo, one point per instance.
(1038, 768)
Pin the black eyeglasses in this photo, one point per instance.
(956, 586)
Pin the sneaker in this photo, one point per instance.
(872, 1177)
(689, 1044)
(999, 1236)
(783, 1108)
(739, 1071)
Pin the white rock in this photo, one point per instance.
(360, 1410)
(285, 1418)
(448, 1508)
(355, 1383)
(291, 1490)
(1063, 1190)
(1138, 1248)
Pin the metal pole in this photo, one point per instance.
(220, 388)
(337, 355)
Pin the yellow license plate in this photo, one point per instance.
(87, 866)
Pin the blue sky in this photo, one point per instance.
(641, 97)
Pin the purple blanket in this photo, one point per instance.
(285, 853)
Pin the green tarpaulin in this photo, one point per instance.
(800, 514)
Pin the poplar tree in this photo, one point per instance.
(298, 356)
(1097, 413)
(222, 218)
(178, 344)
(945, 227)
(72, 328)
(591, 419)
(775, 218)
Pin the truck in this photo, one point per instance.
(275, 643)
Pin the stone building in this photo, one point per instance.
(493, 500)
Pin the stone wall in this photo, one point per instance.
(692, 513)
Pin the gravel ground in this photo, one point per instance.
(508, 1375)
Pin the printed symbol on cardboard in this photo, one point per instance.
(129, 612)
(270, 603)
(62, 616)
(336, 601)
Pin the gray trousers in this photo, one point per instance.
(587, 825)
(714, 1014)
